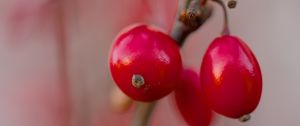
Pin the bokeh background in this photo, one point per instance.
(54, 70)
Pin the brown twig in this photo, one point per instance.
(190, 19)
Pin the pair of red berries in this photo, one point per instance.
(146, 65)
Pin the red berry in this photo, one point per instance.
(190, 100)
(145, 63)
(231, 77)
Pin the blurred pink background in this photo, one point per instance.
(54, 70)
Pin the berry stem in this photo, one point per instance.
(226, 30)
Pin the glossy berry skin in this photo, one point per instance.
(148, 53)
(231, 77)
(190, 100)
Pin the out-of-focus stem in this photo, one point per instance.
(62, 56)
(142, 114)
(120, 102)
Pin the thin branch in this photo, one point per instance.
(189, 20)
